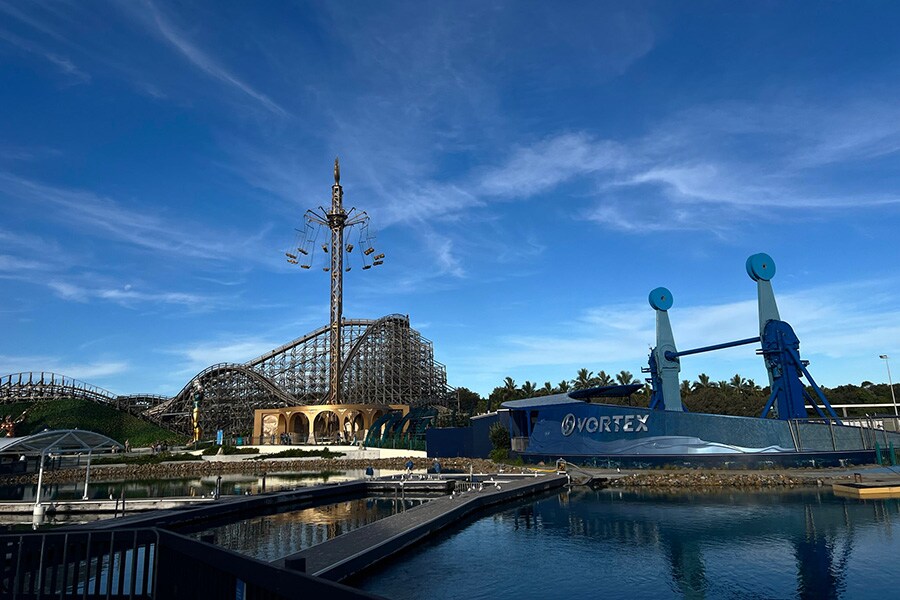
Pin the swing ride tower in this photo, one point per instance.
(337, 220)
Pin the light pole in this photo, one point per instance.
(890, 383)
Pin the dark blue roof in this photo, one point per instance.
(606, 391)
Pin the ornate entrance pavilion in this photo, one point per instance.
(322, 423)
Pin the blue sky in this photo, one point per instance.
(532, 170)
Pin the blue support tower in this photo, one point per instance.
(665, 367)
(780, 351)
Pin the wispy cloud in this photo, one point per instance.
(549, 162)
(202, 60)
(50, 364)
(14, 264)
(63, 64)
(701, 169)
(234, 349)
(35, 23)
(129, 297)
(102, 216)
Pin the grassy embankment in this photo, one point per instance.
(83, 414)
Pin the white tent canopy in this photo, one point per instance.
(59, 441)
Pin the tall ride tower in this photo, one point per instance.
(337, 220)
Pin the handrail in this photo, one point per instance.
(145, 563)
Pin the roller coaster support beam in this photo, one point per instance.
(664, 371)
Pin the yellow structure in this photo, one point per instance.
(319, 423)
(867, 491)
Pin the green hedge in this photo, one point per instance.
(325, 453)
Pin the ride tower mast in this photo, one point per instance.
(337, 220)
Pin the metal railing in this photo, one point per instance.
(461, 486)
(96, 564)
(145, 564)
(871, 431)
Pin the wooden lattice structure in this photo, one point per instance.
(384, 362)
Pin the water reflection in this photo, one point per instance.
(270, 537)
(692, 545)
(232, 484)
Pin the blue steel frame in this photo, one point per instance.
(780, 351)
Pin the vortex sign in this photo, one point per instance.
(568, 424)
(628, 423)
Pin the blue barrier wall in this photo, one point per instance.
(470, 442)
(447, 442)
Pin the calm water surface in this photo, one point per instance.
(232, 484)
(270, 537)
(591, 544)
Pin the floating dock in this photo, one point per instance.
(350, 553)
(234, 507)
(102, 506)
(870, 489)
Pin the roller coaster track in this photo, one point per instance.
(37, 386)
(175, 412)
(385, 362)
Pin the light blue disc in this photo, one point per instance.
(761, 267)
(661, 299)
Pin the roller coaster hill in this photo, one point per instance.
(390, 388)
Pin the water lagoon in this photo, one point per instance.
(649, 544)
(270, 537)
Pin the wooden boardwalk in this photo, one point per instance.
(359, 549)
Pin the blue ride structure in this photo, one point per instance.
(582, 428)
(780, 351)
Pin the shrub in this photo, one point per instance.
(499, 436)
(499, 454)
(297, 453)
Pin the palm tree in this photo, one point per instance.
(737, 382)
(563, 386)
(547, 389)
(625, 377)
(529, 389)
(509, 388)
(702, 381)
(604, 379)
(583, 380)
(685, 387)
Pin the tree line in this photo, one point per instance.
(737, 396)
